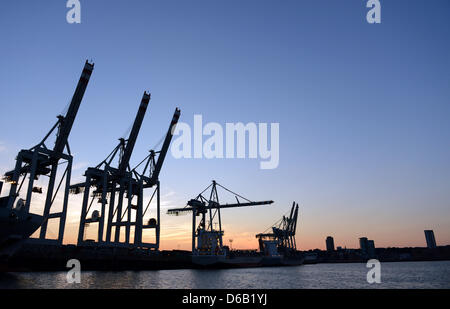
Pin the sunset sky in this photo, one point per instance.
(363, 109)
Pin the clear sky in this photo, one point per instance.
(363, 108)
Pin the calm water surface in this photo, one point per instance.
(393, 275)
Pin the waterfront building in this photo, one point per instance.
(330, 244)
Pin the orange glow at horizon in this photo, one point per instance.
(179, 238)
(312, 229)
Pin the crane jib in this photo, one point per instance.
(134, 132)
(68, 120)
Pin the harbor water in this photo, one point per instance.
(403, 275)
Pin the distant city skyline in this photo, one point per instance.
(362, 108)
(364, 243)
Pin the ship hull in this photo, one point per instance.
(15, 227)
(244, 261)
(281, 261)
(208, 261)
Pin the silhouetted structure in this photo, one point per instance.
(330, 244)
(282, 238)
(120, 191)
(367, 247)
(16, 220)
(206, 240)
(431, 241)
(371, 248)
(363, 244)
(440, 253)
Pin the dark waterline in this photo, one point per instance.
(402, 275)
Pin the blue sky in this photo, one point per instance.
(363, 108)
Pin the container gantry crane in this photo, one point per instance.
(205, 239)
(42, 160)
(107, 180)
(122, 186)
(282, 238)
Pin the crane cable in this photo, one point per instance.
(277, 223)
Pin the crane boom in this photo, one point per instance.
(294, 228)
(241, 204)
(134, 133)
(68, 120)
(165, 147)
(215, 206)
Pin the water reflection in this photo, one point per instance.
(393, 275)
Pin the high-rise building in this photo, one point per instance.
(367, 247)
(371, 248)
(363, 244)
(431, 241)
(330, 244)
